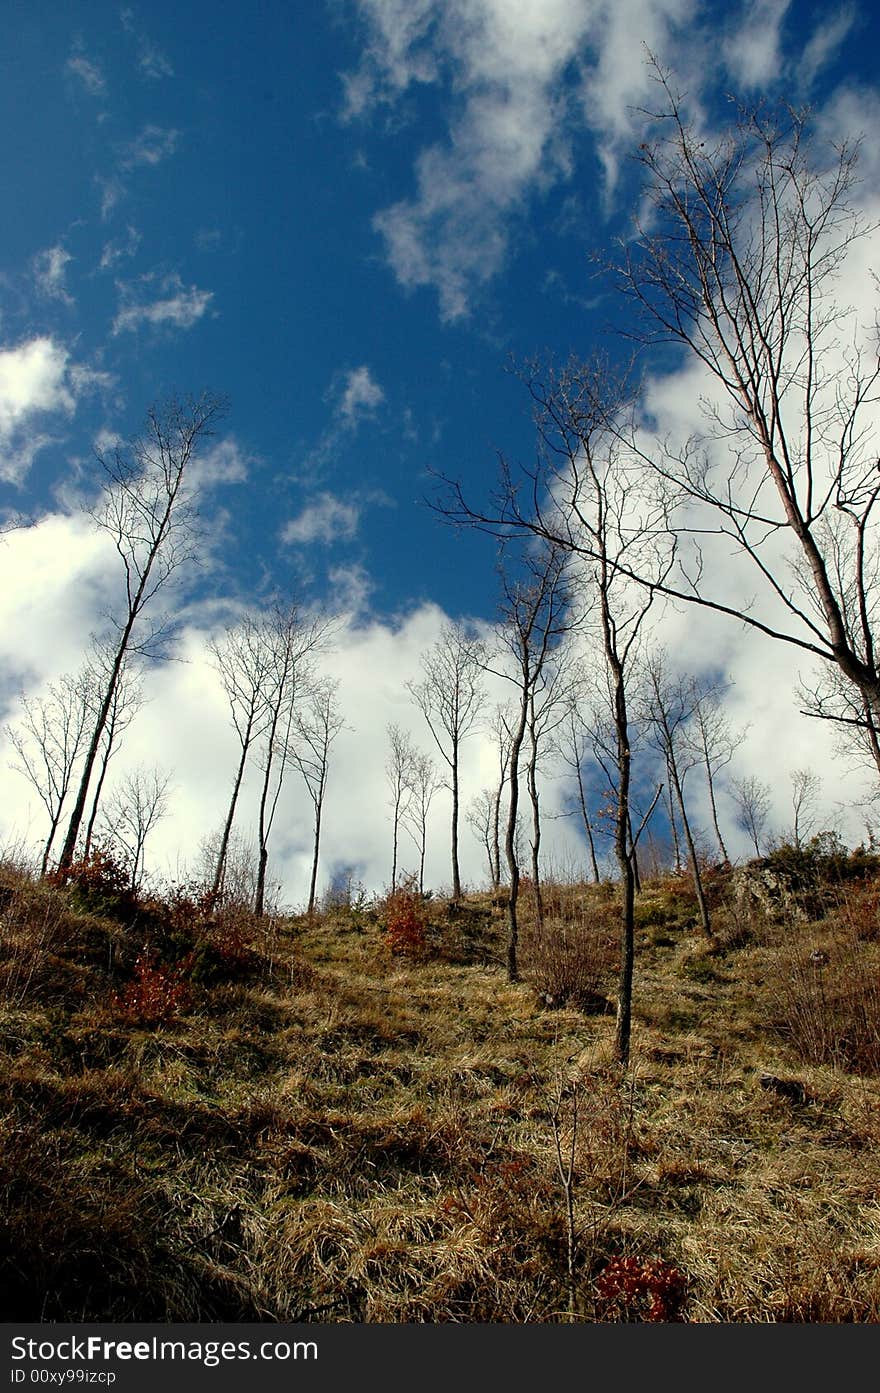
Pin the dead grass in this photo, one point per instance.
(327, 1129)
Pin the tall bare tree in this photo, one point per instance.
(139, 802)
(450, 697)
(572, 745)
(147, 509)
(425, 783)
(128, 698)
(534, 619)
(49, 741)
(290, 641)
(740, 261)
(805, 789)
(399, 776)
(668, 711)
(242, 662)
(317, 726)
(712, 737)
(584, 497)
(752, 798)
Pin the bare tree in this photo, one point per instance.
(450, 697)
(739, 261)
(49, 742)
(479, 815)
(127, 700)
(583, 497)
(147, 510)
(668, 710)
(289, 640)
(425, 783)
(534, 617)
(500, 728)
(400, 777)
(805, 788)
(317, 726)
(572, 744)
(549, 700)
(711, 736)
(752, 799)
(139, 802)
(242, 661)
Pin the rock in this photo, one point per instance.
(769, 890)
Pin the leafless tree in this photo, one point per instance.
(147, 509)
(127, 700)
(739, 261)
(400, 778)
(242, 662)
(49, 742)
(500, 727)
(425, 783)
(668, 711)
(752, 799)
(479, 815)
(549, 700)
(450, 697)
(139, 802)
(290, 641)
(317, 726)
(534, 618)
(573, 744)
(805, 788)
(584, 497)
(711, 736)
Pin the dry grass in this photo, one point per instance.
(324, 1129)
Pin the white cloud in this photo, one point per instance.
(58, 579)
(512, 104)
(49, 268)
(88, 72)
(153, 63)
(224, 463)
(112, 193)
(114, 251)
(176, 305)
(35, 382)
(361, 395)
(753, 51)
(824, 43)
(327, 519)
(153, 145)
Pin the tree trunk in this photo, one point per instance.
(510, 848)
(227, 828)
(587, 826)
(456, 878)
(314, 880)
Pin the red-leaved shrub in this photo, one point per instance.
(640, 1289)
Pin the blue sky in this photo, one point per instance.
(349, 217)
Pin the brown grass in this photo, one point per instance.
(326, 1129)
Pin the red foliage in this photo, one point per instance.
(405, 921)
(155, 994)
(641, 1289)
(99, 873)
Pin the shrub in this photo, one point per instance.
(640, 1289)
(100, 884)
(567, 965)
(826, 1005)
(155, 994)
(405, 920)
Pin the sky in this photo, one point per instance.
(354, 218)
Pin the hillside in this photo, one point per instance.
(204, 1116)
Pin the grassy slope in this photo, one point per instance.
(342, 1134)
